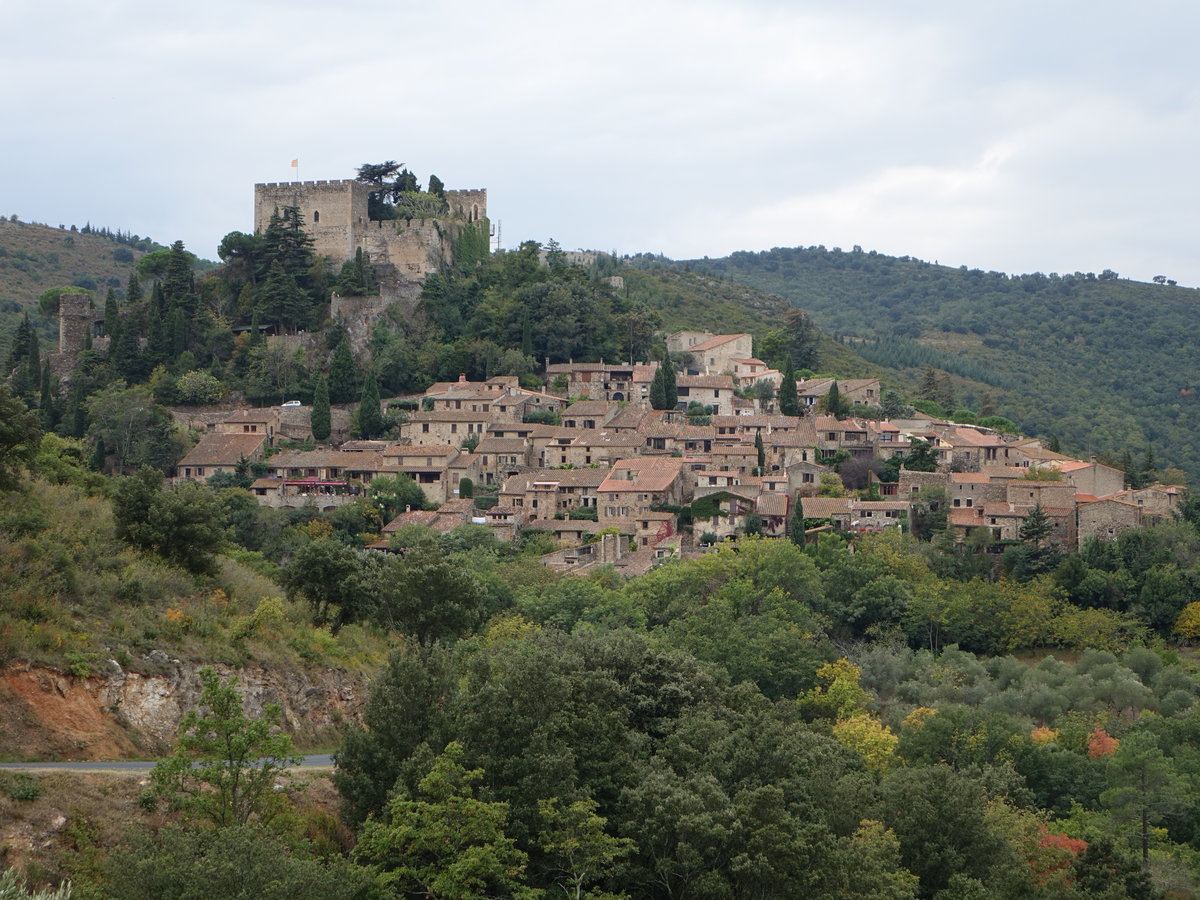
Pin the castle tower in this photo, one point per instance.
(76, 320)
(333, 211)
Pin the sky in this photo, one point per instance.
(1014, 136)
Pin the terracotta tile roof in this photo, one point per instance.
(448, 415)
(772, 504)
(361, 446)
(968, 478)
(223, 449)
(704, 381)
(252, 416)
(589, 408)
(968, 518)
(715, 341)
(825, 507)
(399, 451)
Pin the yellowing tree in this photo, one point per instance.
(870, 738)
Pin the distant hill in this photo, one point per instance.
(687, 299)
(1104, 363)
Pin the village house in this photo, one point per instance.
(221, 452)
(596, 381)
(251, 421)
(859, 516)
(500, 457)
(1105, 518)
(714, 392)
(546, 493)
(712, 354)
(635, 486)
(448, 426)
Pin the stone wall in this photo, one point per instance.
(333, 211)
(469, 204)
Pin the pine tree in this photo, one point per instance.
(342, 377)
(281, 300)
(1036, 527)
(1054, 446)
(369, 417)
(789, 403)
(321, 428)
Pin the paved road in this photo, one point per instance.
(319, 761)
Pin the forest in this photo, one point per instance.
(892, 717)
(1105, 364)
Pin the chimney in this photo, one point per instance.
(462, 378)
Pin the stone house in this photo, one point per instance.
(712, 354)
(712, 391)
(1105, 518)
(546, 493)
(634, 486)
(451, 426)
(220, 453)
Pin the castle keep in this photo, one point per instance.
(335, 215)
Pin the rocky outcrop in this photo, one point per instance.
(47, 713)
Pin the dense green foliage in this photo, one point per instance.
(1103, 363)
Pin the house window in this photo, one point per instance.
(316, 216)
(424, 428)
(200, 470)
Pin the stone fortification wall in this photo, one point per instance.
(415, 247)
(333, 211)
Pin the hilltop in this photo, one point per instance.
(1105, 364)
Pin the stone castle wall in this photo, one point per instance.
(333, 211)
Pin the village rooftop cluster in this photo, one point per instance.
(609, 482)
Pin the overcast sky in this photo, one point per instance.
(1014, 136)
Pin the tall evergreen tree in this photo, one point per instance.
(369, 417)
(133, 290)
(46, 409)
(321, 425)
(833, 401)
(670, 388)
(1149, 470)
(280, 299)
(343, 379)
(658, 397)
(789, 402)
(112, 321)
(796, 525)
(761, 451)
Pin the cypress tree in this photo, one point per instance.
(657, 394)
(796, 525)
(321, 426)
(46, 400)
(98, 456)
(342, 376)
(112, 321)
(762, 452)
(789, 403)
(833, 401)
(369, 417)
(133, 290)
(670, 388)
